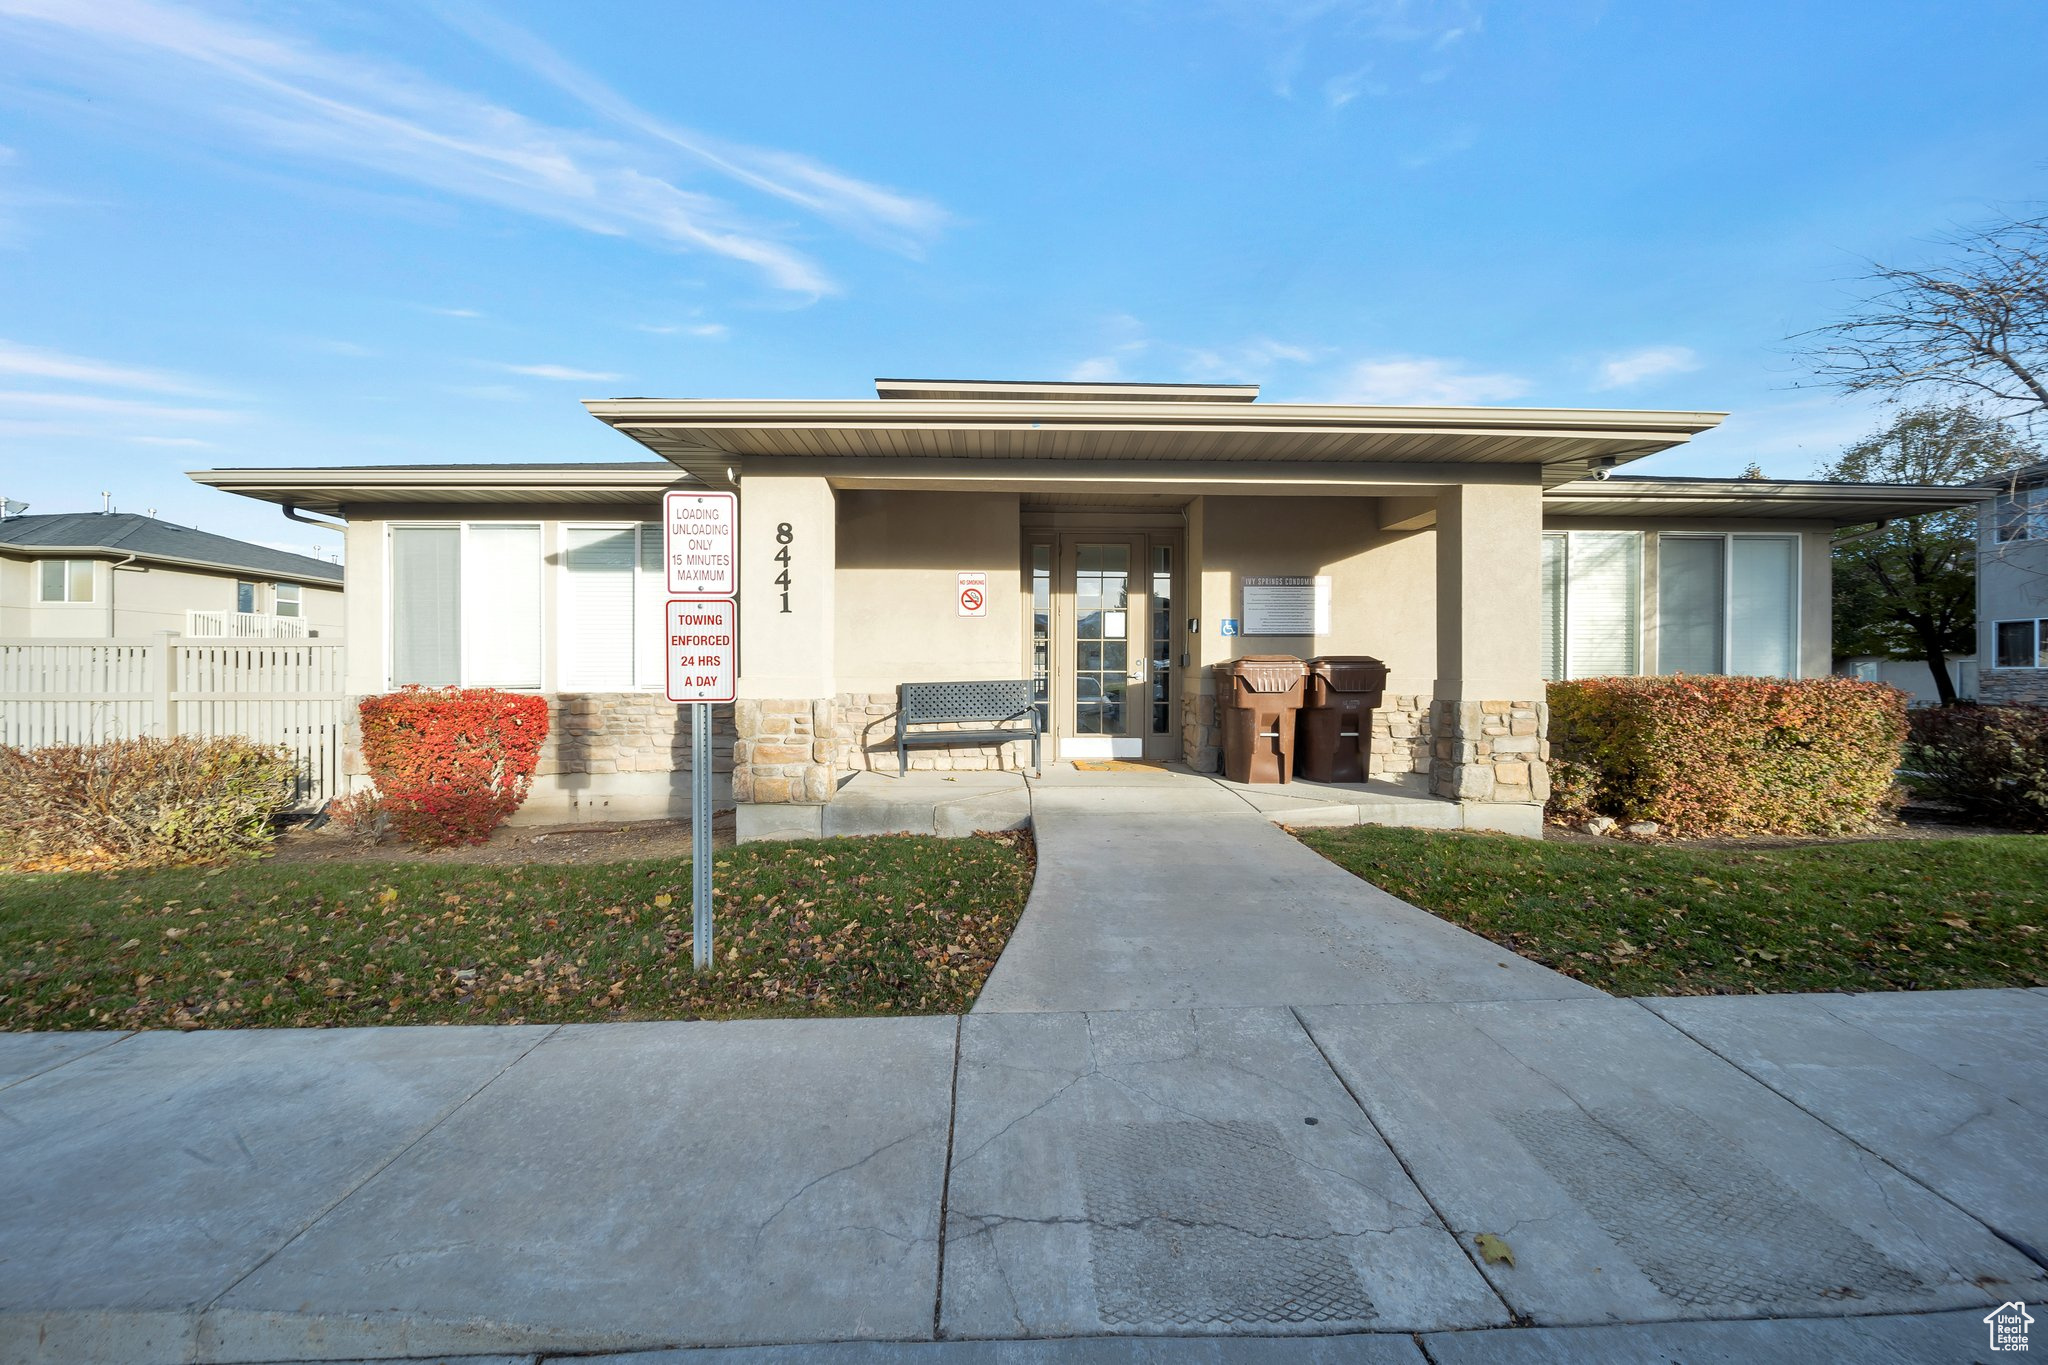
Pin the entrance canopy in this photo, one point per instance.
(998, 434)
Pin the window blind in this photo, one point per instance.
(650, 598)
(501, 606)
(1691, 619)
(426, 605)
(1553, 607)
(1604, 593)
(597, 608)
(1763, 606)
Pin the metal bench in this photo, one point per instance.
(994, 704)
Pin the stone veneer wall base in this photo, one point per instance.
(1494, 753)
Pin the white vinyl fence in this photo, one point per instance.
(285, 692)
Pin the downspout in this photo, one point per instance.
(291, 510)
(1838, 541)
(113, 569)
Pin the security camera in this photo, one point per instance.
(1603, 473)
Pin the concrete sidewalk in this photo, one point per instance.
(1112, 1177)
(1163, 890)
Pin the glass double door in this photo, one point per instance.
(1103, 644)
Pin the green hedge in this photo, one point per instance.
(1713, 755)
(140, 802)
(1990, 762)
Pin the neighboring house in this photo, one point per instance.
(2012, 589)
(1132, 536)
(1914, 677)
(117, 575)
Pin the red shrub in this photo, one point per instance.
(451, 763)
(1713, 755)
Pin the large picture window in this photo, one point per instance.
(465, 605)
(2020, 644)
(1592, 604)
(1728, 604)
(613, 594)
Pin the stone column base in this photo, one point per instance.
(783, 751)
(1491, 752)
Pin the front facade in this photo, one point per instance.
(121, 576)
(2012, 591)
(1122, 540)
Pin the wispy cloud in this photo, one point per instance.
(94, 404)
(296, 99)
(904, 221)
(560, 372)
(1097, 369)
(1424, 381)
(37, 362)
(170, 441)
(1340, 90)
(1127, 339)
(1644, 364)
(709, 331)
(453, 312)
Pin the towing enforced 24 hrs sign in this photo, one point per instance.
(700, 543)
(702, 648)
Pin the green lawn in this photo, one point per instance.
(869, 926)
(1635, 919)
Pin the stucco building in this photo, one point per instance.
(2012, 590)
(1130, 538)
(121, 575)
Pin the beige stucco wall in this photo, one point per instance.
(1382, 583)
(1816, 575)
(141, 599)
(900, 557)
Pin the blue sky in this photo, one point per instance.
(295, 232)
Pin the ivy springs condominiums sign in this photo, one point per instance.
(1284, 605)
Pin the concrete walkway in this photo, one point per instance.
(1163, 889)
(1264, 1173)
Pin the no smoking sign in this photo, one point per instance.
(973, 594)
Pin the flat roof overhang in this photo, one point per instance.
(846, 438)
(333, 489)
(1844, 504)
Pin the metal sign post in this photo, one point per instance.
(702, 669)
(700, 834)
(700, 541)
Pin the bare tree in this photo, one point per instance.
(1974, 328)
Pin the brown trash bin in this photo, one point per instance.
(1334, 743)
(1256, 697)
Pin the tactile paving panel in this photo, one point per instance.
(1210, 1225)
(1710, 1227)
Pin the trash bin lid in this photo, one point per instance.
(1350, 673)
(1268, 672)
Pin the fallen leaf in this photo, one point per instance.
(1494, 1251)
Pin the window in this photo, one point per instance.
(1592, 603)
(287, 597)
(1041, 633)
(1728, 604)
(1162, 638)
(2021, 515)
(2020, 644)
(245, 598)
(613, 595)
(66, 580)
(465, 605)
